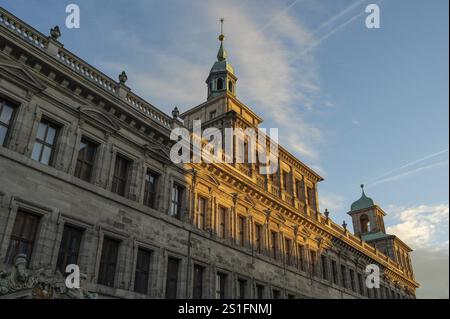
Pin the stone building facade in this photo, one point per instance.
(86, 179)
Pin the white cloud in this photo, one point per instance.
(424, 226)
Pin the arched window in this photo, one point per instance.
(219, 84)
(230, 86)
(364, 223)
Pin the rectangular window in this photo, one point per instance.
(242, 287)
(276, 294)
(285, 181)
(45, 144)
(300, 190)
(172, 278)
(85, 161)
(151, 180)
(176, 200)
(301, 257)
(352, 280)
(6, 115)
(198, 282)
(324, 266)
(287, 248)
(291, 296)
(120, 175)
(201, 212)
(212, 115)
(334, 272)
(312, 198)
(274, 244)
(259, 291)
(344, 276)
(361, 284)
(222, 222)
(108, 262)
(23, 236)
(70, 248)
(241, 231)
(258, 238)
(313, 263)
(221, 282)
(142, 274)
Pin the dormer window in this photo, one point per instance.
(219, 84)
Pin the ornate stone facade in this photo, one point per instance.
(86, 178)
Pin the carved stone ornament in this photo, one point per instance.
(17, 282)
(55, 33)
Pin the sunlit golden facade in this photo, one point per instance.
(142, 226)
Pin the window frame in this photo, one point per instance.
(9, 257)
(43, 143)
(150, 195)
(5, 102)
(119, 184)
(73, 229)
(84, 162)
(104, 272)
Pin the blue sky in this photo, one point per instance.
(358, 105)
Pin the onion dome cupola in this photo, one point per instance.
(221, 78)
(363, 202)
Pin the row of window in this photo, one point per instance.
(23, 238)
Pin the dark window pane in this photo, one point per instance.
(70, 248)
(176, 200)
(120, 175)
(198, 282)
(108, 262)
(276, 294)
(3, 131)
(23, 236)
(259, 291)
(151, 180)
(221, 280)
(242, 286)
(142, 276)
(85, 161)
(172, 278)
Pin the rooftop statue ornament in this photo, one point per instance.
(123, 78)
(175, 113)
(327, 214)
(55, 33)
(344, 225)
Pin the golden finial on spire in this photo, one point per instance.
(221, 36)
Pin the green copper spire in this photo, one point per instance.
(222, 54)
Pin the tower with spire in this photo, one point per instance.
(368, 224)
(221, 78)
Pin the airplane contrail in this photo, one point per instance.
(401, 175)
(409, 165)
(329, 34)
